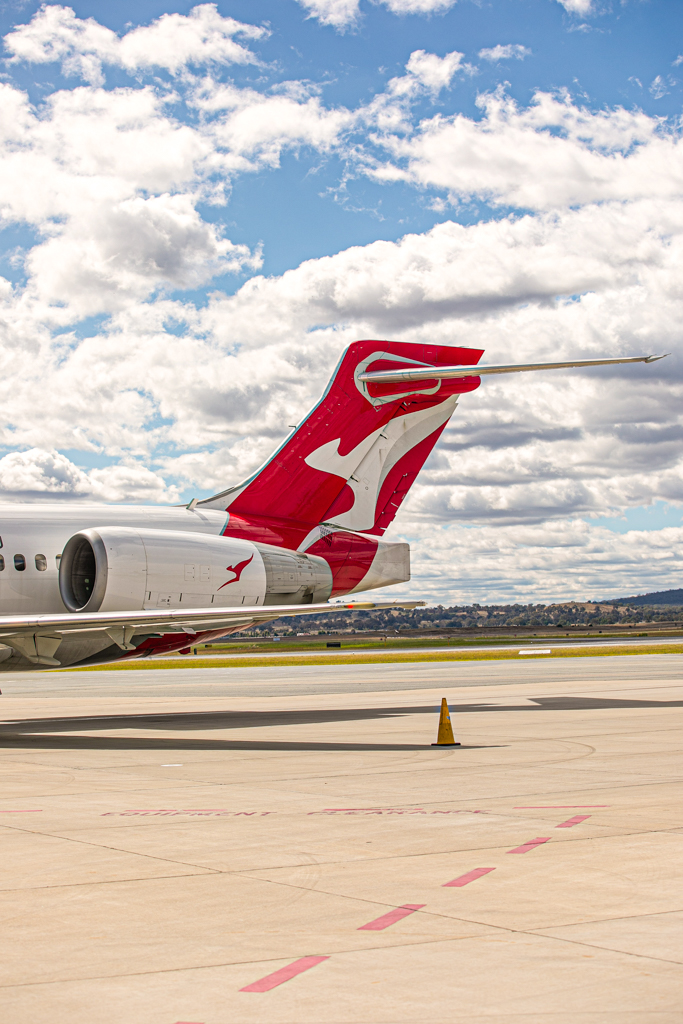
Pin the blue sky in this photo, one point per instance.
(610, 58)
(202, 204)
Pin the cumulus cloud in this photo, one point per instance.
(252, 129)
(110, 183)
(548, 155)
(418, 6)
(388, 114)
(341, 14)
(172, 42)
(582, 8)
(432, 72)
(562, 560)
(129, 249)
(344, 14)
(453, 271)
(511, 51)
(40, 474)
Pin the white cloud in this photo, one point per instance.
(454, 271)
(175, 41)
(582, 8)
(432, 72)
(111, 183)
(253, 129)
(511, 51)
(549, 155)
(127, 250)
(418, 6)
(172, 42)
(658, 88)
(40, 474)
(561, 560)
(341, 14)
(388, 114)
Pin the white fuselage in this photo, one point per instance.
(31, 531)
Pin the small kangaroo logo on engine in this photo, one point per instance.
(238, 570)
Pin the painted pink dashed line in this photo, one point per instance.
(386, 920)
(576, 820)
(284, 974)
(471, 876)
(538, 841)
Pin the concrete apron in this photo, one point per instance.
(216, 846)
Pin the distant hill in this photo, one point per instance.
(658, 597)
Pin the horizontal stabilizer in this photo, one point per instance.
(455, 372)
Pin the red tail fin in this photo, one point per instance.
(355, 456)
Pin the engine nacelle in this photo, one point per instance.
(124, 569)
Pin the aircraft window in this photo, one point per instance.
(41, 563)
(19, 563)
(2, 562)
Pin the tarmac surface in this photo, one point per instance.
(204, 846)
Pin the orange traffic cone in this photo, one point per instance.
(445, 737)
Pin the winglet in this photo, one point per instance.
(653, 359)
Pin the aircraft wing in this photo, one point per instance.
(37, 637)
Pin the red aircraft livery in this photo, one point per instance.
(237, 569)
(93, 584)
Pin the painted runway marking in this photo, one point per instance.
(576, 820)
(188, 811)
(538, 841)
(556, 807)
(262, 814)
(386, 920)
(284, 974)
(471, 876)
(389, 810)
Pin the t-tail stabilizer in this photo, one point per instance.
(353, 459)
(337, 482)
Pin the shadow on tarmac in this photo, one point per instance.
(192, 720)
(142, 743)
(39, 732)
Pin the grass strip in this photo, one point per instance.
(348, 647)
(380, 658)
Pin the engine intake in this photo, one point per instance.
(103, 570)
(82, 573)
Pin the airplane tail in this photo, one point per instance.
(352, 460)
